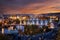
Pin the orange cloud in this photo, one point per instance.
(37, 8)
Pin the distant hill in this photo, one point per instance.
(46, 14)
(51, 14)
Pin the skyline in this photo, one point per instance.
(29, 6)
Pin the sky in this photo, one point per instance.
(29, 6)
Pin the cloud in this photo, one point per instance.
(29, 6)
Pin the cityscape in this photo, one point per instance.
(30, 26)
(29, 19)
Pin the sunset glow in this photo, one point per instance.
(29, 6)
